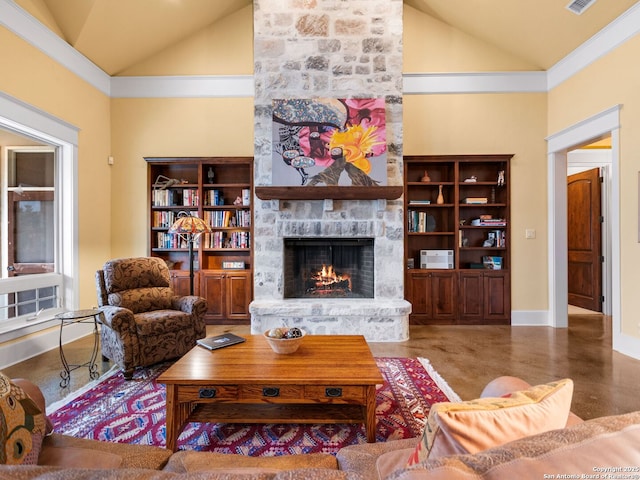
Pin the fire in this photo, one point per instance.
(328, 276)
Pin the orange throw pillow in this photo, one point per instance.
(476, 425)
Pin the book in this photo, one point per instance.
(220, 341)
(475, 200)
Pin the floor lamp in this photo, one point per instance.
(191, 228)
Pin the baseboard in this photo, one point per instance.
(627, 345)
(530, 318)
(24, 348)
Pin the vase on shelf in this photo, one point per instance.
(440, 199)
(425, 177)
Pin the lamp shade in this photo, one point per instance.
(188, 224)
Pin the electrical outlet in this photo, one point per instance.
(529, 233)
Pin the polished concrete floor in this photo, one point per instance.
(467, 357)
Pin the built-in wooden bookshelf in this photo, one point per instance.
(457, 209)
(220, 191)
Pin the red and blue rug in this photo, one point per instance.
(116, 410)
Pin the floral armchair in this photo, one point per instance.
(143, 322)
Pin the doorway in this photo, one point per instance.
(606, 123)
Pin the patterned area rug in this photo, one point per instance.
(115, 410)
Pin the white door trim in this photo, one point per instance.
(575, 136)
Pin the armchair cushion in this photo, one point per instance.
(22, 425)
(142, 299)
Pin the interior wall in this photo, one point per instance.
(39, 81)
(593, 90)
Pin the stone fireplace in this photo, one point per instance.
(329, 49)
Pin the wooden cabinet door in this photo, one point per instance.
(471, 307)
(238, 286)
(444, 289)
(180, 282)
(417, 287)
(214, 292)
(432, 296)
(497, 297)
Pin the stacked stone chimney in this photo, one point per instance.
(329, 49)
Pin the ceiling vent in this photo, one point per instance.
(579, 6)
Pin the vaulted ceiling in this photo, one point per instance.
(117, 34)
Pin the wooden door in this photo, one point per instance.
(584, 231)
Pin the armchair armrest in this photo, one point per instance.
(190, 304)
(119, 319)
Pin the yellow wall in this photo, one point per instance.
(612, 80)
(164, 128)
(37, 80)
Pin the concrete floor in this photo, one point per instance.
(467, 357)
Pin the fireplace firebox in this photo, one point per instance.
(328, 268)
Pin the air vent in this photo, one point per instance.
(579, 6)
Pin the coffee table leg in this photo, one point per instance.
(172, 418)
(370, 414)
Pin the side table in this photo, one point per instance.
(79, 316)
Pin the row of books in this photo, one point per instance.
(175, 197)
(213, 197)
(228, 218)
(226, 240)
(209, 240)
(171, 241)
(164, 218)
(420, 221)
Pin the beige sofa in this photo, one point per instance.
(599, 447)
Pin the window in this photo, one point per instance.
(38, 218)
(29, 239)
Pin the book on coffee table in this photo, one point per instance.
(220, 341)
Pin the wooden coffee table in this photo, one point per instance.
(330, 379)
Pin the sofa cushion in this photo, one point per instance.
(584, 450)
(22, 425)
(476, 425)
(78, 458)
(133, 456)
(190, 461)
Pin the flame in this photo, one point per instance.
(328, 276)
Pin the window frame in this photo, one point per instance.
(37, 126)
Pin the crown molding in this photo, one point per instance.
(196, 86)
(34, 32)
(474, 82)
